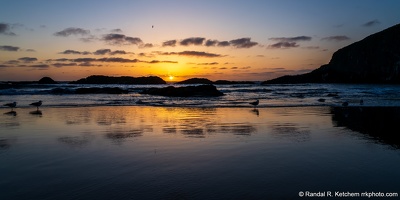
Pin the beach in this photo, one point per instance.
(149, 152)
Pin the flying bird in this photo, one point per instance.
(37, 104)
(255, 103)
(11, 105)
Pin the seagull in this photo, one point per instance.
(11, 105)
(37, 104)
(255, 103)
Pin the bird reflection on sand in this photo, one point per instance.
(36, 112)
(256, 112)
(13, 113)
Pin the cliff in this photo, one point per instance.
(98, 79)
(375, 59)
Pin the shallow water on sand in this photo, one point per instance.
(131, 152)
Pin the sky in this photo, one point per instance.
(252, 40)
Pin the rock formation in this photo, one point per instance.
(99, 79)
(189, 91)
(375, 59)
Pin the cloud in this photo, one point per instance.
(163, 61)
(291, 39)
(191, 54)
(223, 44)
(371, 23)
(120, 39)
(79, 59)
(280, 45)
(27, 59)
(89, 38)
(102, 51)
(72, 31)
(118, 52)
(117, 30)
(116, 59)
(64, 64)
(311, 47)
(12, 62)
(9, 48)
(70, 52)
(243, 43)
(30, 50)
(147, 45)
(169, 43)
(213, 43)
(288, 42)
(337, 38)
(41, 66)
(5, 29)
(192, 41)
(211, 63)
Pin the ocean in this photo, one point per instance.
(234, 95)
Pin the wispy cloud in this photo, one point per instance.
(27, 59)
(291, 39)
(213, 43)
(210, 63)
(72, 31)
(169, 43)
(9, 48)
(192, 41)
(286, 45)
(191, 54)
(117, 30)
(89, 61)
(243, 43)
(5, 29)
(288, 42)
(74, 52)
(121, 39)
(147, 45)
(102, 51)
(371, 23)
(337, 38)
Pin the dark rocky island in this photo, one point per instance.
(189, 91)
(99, 79)
(46, 80)
(207, 81)
(375, 59)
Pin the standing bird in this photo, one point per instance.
(255, 103)
(37, 104)
(11, 105)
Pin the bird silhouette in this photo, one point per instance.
(255, 103)
(345, 103)
(37, 104)
(11, 105)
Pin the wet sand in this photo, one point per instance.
(130, 152)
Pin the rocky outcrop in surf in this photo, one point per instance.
(100, 79)
(188, 91)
